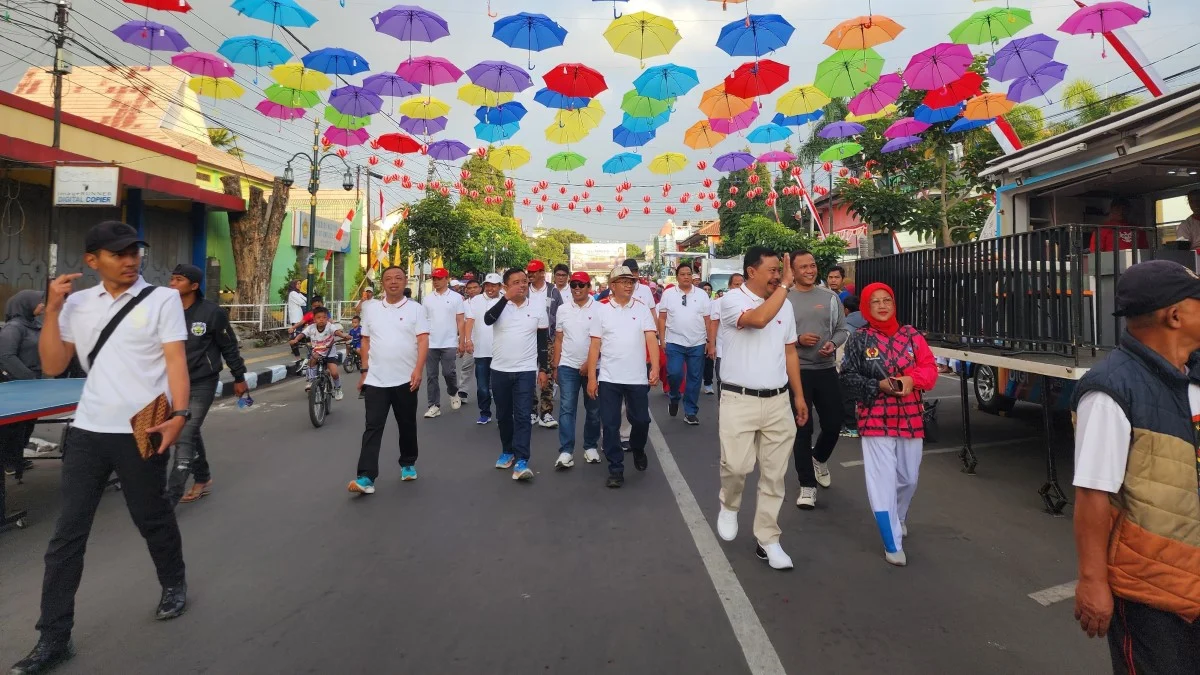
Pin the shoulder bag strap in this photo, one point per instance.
(116, 321)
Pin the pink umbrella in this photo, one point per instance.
(775, 156)
(203, 64)
(1102, 17)
(346, 137)
(905, 126)
(279, 112)
(937, 66)
(730, 125)
(878, 96)
(430, 70)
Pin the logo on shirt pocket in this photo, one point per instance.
(199, 328)
(139, 317)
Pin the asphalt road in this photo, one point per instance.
(465, 571)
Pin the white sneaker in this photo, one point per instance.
(776, 558)
(433, 411)
(903, 528)
(821, 469)
(337, 394)
(727, 525)
(564, 461)
(455, 402)
(533, 418)
(548, 421)
(807, 499)
(898, 558)
(308, 387)
(708, 390)
(591, 456)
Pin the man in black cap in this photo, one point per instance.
(210, 338)
(1137, 478)
(143, 358)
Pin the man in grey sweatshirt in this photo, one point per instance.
(821, 329)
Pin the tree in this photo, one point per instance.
(482, 176)
(743, 207)
(763, 231)
(634, 251)
(298, 272)
(435, 226)
(490, 233)
(254, 236)
(1086, 104)
(553, 247)
(224, 139)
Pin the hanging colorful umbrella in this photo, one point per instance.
(735, 123)
(296, 76)
(756, 35)
(253, 50)
(627, 138)
(411, 24)
(1022, 56)
(499, 76)
(424, 108)
(701, 136)
(344, 121)
(668, 163)
(734, 161)
(803, 100)
(473, 94)
(180, 6)
(840, 151)
(887, 111)
(938, 66)
(502, 114)
(152, 36)
(277, 12)
(644, 124)
(428, 70)
(588, 117)
(987, 106)
(841, 130)
(346, 137)
(797, 120)
(575, 80)
(355, 101)
(768, 133)
(1042, 80)
(878, 96)
(641, 35)
(565, 161)
(398, 143)
(335, 61)
(905, 126)
(991, 25)
(279, 112)
(563, 134)
(614, 2)
(848, 72)
(668, 81)
(508, 158)
(448, 151)
(622, 162)
(966, 124)
(420, 127)
(970, 84)
(774, 156)
(495, 133)
(390, 85)
(531, 32)
(718, 103)
(863, 32)
(290, 97)
(757, 78)
(643, 106)
(1102, 17)
(216, 87)
(557, 101)
(203, 64)
(900, 143)
(928, 115)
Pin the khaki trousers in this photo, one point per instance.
(762, 429)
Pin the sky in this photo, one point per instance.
(1168, 37)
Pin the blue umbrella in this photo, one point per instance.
(667, 81)
(622, 162)
(797, 120)
(391, 85)
(627, 138)
(553, 99)
(644, 124)
(614, 2)
(755, 35)
(768, 133)
(531, 32)
(278, 12)
(335, 61)
(253, 50)
(965, 124)
(505, 113)
(494, 133)
(929, 115)
(355, 101)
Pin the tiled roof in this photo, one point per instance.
(712, 229)
(212, 156)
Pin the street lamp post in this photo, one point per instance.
(314, 184)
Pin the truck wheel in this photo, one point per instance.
(987, 392)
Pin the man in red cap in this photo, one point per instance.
(444, 309)
(543, 295)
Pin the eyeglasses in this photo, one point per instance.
(578, 284)
(883, 302)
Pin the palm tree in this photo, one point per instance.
(224, 139)
(1087, 103)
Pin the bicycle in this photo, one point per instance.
(353, 360)
(320, 393)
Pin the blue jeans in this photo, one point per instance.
(514, 396)
(483, 380)
(693, 357)
(571, 383)
(637, 408)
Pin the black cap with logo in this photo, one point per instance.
(1152, 285)
(113, 236)
(190, 272)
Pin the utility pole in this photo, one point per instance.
(61, 11)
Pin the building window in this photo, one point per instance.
(207, 178)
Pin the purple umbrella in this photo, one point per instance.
(151, 35)
(355, 101)
(448, 151)
(279, 112)
(900, 143)
(1022, 56)
(411, 23)
(346, 137)
(878, 96)
(391, 85)
(203, 64)
(1038, 82)
(776, 156)
(937, 66)
(729, 125)
(905, 126)
(430, 70)
(420, 127)
(734, 161)
(499, 76)
(841, 129)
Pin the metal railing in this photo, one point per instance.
(1048, 291)
(274, 317)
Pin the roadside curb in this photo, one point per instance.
(255, 379)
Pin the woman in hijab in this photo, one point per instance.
(886, 368)
(19, 361)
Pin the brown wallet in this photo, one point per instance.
(151, 416)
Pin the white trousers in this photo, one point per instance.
(891, 467)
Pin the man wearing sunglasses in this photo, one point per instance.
(571, 344)
(682, 330)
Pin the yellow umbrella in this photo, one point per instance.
(565, 133)
(701, 136)
(508, 158)
(642, 35)
(803, 100)
(887, 111)
(585, 118)
(216, 87)
(719, 104)
(473, 94)
(987, 106)
(423, 108)
(668, 163)
(296, 76)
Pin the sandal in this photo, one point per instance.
(198, 490)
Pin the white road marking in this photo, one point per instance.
(747, 627)
(1049, 596)
(946, 451)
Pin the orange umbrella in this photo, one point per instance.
(863, 32)
(700, 136)
(987, 106)
(726, 3)
(718, 104)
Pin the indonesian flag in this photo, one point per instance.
(343, 233)
(1004, 134)
(812, 208)
(1129, 51)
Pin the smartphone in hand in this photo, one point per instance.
(896, 384)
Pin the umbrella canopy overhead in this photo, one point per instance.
(424, 108)
(622, 162)
(841, 129)
(701, 136)
(528, 31)
(344, 121)
(643, 106)
(428, 70)
(499, 76)
(737, 122)
(848, 72)
(970, 84)
(180, 6)
(878, 96)
(509, 157)
(291, 97)
(628, 138)
(565, 161)
(390, 85)
(216, 87)
(803, 100)
(398, 143)
(553, 99)
(987, 107)
(886, 111)
(506, 113)
(905, 126)
(642, 35)
(587, 117)
(201, 63)
(422, 127)
(473, 94)
(279, 112)
(989, 26)
(575, 80)
(937, 66)
(643, 124)
(296, 76)
(151, 35)
(355, 101)
(346, 137)
(667, 81)
(563, 134)
(448, 151)
(734, 161)
(840, 151)
(495, 133)
(862, 32)
(900, 143)
(797, 120)
(773, 156)
(668, 163)
(768, 133)
(253, 50)
(967, 124)
(719, 103)
(335, 61)
(1022, 56)
(1102, 17)
(278, 12)
(928, 115)
(756, 35)
(1038, 83)
(757, 78)
(411, 24)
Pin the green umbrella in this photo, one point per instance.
(848, 71)
(840, 151)
(293, 98)
(991, 25)
(340, 120)
(565, 161)
(643, 106)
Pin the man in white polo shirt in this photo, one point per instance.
(623, 332)
(683, 330)
(444, 308)
(573, 339)
(758, 367)
(143, 357)
(479, 342)
(395, 344)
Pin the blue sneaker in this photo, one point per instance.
(483, 419)
(522, 471)
(408, 473)
(362, 485)
(505, 461)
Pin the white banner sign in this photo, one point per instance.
(86, 186)
(326, 239)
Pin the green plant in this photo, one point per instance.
(763, 231)
(298, 273)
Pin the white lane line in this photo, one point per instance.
(1049, 596)
(974, 446)
(747, 627)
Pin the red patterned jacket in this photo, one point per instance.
(872, 356)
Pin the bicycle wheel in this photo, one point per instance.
(350, 364)
(316, 402)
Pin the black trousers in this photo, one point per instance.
(401, 401)
(1149, 641)
(635, 397)
(710, 365)
(88, 460)
(823, 393)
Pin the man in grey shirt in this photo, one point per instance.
(821, 329)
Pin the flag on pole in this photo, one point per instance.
(1004, 134)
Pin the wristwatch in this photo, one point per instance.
(185, 414)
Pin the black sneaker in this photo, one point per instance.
(46, 656)
(640, 461)
(615, 480)
(172, 603)
(760, 551)
(625, 446)
(692, 420)
(673, 408)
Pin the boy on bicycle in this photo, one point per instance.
(321, 335)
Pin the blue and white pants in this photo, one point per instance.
(891, 465)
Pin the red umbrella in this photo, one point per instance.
(756, 78)
(575, 79)
(163, 5)
(398, 143)
(956, 92)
